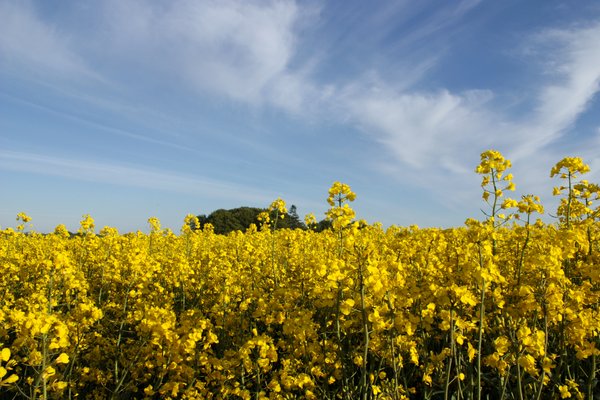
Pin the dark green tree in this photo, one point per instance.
(323, 225)
(236, 219)
(225, 221)
(294, 220)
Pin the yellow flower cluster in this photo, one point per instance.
(5, 378)
(505, 308)
(277, 210)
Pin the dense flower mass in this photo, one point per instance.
(505, 308)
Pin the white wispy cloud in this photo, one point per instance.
(237, 49)
(420, 126)
(572, 67)
(26, 42)
(569, 80)
(130, 176)
(443, 19)
(106, 127)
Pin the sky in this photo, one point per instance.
(130, 109)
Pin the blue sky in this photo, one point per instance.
(128, 109)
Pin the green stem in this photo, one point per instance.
(365, 323)
(452, 351)
(480, 336)
(592, 379)
(338, 332)
(539, 393)
(519, 383)
(393, 348)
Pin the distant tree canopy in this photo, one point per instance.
(225, 221)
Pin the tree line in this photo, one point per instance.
(240, 219)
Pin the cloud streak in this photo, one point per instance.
(27, 42)
(418, 127)
(130, 176)
(236, 49)
(575, 69)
